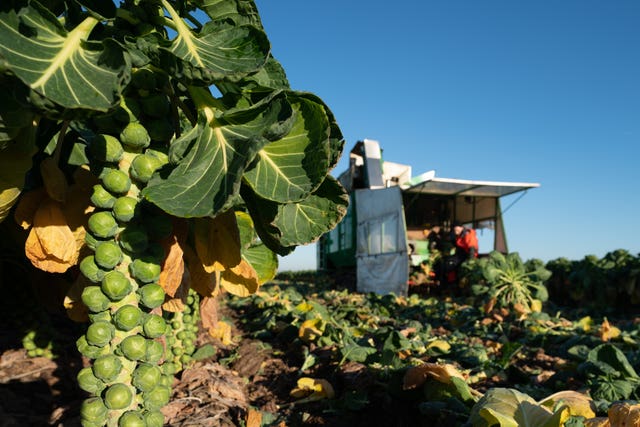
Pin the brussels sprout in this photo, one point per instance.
(154, 418)
(155, 352)
(91, 270)
(154, 326)
(151, 295)
(169, 368)
(134, 239)
(160, 130)
(100, 333)
(115, 180)
(88, 350)
(124, 208)
(166, 380)
(156, 398)
(107, 367)
(132, 419)
(134, 347)
(94, 410)
(143, 167)
(116, 285)
(156, 105)
(89, 382)
(127, 317)
(102, 198)
(146, 377)
(118, 396)
(102, 224)
(95, 300)
(108, 255)
(135, 136)
(106, 148)
(144, 271)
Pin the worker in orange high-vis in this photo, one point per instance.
(466, 242)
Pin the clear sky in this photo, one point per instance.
(529, 91)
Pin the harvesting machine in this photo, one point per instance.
(383, 237)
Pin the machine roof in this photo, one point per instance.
(428, 183)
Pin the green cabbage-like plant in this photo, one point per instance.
(188, 126)
(505, 281)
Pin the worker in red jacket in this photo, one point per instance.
(466, 242)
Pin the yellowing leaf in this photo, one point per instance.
(312, 389)
(586, 323)
(8, 198)
(54, 234)
(222, 332)
(441, 345)
(27, 207)
(311, 330)
(579, 404)
(39, 258)
(241, 280)
(53, 178)
(217, 242)
(304, 307)
(608, 332)
(76, 210)
(417, 375)
(536, 306)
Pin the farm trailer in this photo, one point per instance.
(382, 235)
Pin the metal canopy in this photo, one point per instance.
(464, 187)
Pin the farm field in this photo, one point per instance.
(304, 350)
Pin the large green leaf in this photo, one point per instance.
(240, 11)
(218, 51)
(282, 227)
(289, 169)
(62, 66)
(221, 146)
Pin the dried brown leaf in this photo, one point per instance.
(172, 273)
(209, 312)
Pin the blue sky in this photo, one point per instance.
(534, 91)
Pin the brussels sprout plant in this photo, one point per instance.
(196, 156)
